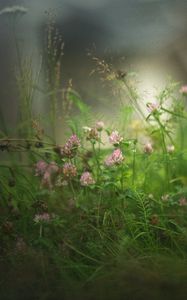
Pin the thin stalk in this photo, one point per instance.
(24, 140)
(134, 164)
(174, 114)
(72, 189)
(164, 148)
(133, 99)
(96, 160)
(40, 231)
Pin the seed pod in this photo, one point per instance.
(39, 145)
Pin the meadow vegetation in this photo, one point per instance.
(104, 214)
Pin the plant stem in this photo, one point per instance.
(72, 189)
(134, 164)
(96, 160)
(162, 129)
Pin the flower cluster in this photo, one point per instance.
(70, 148)
(86, 179)
(115, 158)
(69, 170)
(115, 138)
(46, 172)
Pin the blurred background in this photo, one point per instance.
(145, 36)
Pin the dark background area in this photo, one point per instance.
(151, 36)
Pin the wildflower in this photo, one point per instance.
(115, 138)
(115, 158)
(183, 90)
(99, 125)
(74, 141)
(46, 171)
(86, 179)
(52, 168)
(40, 168)
(93, 134)
(170, 148)
(64, 183)
(71, 146)
(44, 217)
(69, 170)
(182, 201)
(165, 197)
(46, 180)
(152, 107)
(148, 148)
(67, 151)
(60, 182)
(41, 205)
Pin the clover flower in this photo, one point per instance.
(182, 201)
(69, 170)
(86, 179)
(115, 138)
(52, 168)
(92, 134)
(46, 180)
(74, 141)
(44, 217)
(71, 146)
(170, 148)
(165, 198)
(40, 168)
(148, 148)
(61, 182)
(115, 158)
(183, 90)
(46, 172)
(152, 107)
(99, 125)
